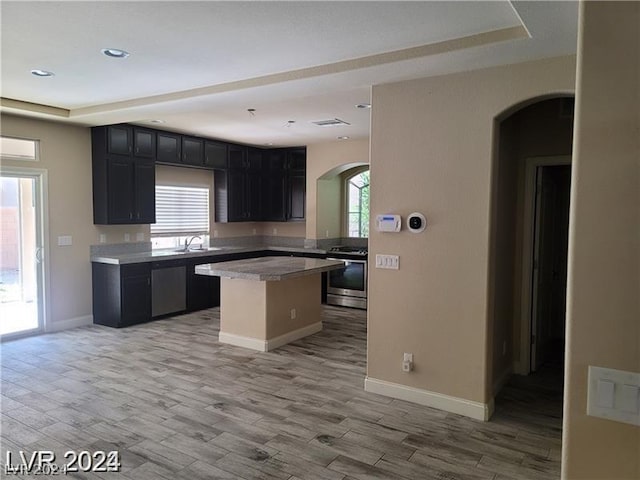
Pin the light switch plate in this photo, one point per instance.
(391, 262)
(65, 241)
(614, 395)
(139, 237)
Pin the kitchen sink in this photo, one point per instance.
(193, 250)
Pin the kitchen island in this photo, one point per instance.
(270, 301)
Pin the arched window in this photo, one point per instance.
(358, 204)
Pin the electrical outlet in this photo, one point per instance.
(215, 234)
(127, 237)
(139, 237)
(293, 314)
(326, 234)
(275, 231)
(253, 231)
(103, 238)
(407, 362)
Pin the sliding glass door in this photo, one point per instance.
(21, 258)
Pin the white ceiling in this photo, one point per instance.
(200, 65)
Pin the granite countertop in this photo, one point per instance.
(268, 268)
(171, 254)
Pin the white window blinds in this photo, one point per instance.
(181, 210)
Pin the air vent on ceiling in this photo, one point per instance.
(334, 122)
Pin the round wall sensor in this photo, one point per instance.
(416, 222)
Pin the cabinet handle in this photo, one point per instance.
(138, 215)
(130, 216)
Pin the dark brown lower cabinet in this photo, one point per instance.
(121, 294)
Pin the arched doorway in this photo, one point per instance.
(529, 225)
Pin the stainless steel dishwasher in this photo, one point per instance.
(168, 288)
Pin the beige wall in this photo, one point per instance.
(322, 159)
(65, 152)
(604, 247)
(431, 151)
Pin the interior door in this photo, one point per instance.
(550, 264)
(21, 260)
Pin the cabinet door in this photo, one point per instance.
(215, 155)
(144, 143)
(277, 159)
(275, 196)
(203, 291)
(119, 140)
(169, 149)
(297, 159)
(192, 151)
(254, 195)
(237, 156)
(145, 192)
(297, 188)
(136, 298)
(236, 192)
(254, 159)
(120, 190)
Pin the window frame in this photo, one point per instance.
(345, 208)
(20, 158)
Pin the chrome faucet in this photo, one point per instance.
(187, 244)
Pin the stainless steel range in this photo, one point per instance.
(348, 286)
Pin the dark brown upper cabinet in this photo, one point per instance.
(169, 148)
(193, 151)
(215, 154)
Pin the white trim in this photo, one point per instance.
(523, 367)
(267, 345)
(294, 335)
(502, 379)
(69, 323)
(245, 342)
(461, 406)
(42, 178)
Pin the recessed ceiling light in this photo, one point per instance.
(156, 121)
(268, 144)
(363, 105)
(42, 73)
(115, 52)
(343, 138)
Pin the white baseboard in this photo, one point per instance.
(245, 342)
(69, 323)
(294, 335)
(502, 379)
(272, 344)
(461, 406)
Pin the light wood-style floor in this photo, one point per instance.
(179, 405)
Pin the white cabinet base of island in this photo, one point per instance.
(270, 301)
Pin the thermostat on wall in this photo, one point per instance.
(416, 222)
(388, 223)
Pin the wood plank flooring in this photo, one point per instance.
(177, 404)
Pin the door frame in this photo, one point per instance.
(523, 367)
(42, 238)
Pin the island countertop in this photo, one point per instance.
(268, 268)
